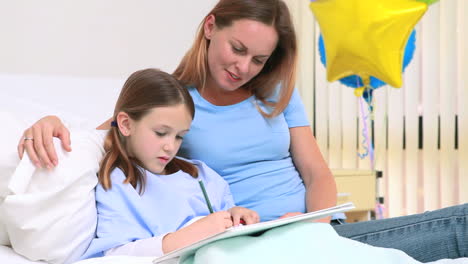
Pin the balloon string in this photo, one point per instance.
(379, 210)
(371, 114)
(366, 142)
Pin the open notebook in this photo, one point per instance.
(252, 229)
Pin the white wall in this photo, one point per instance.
(96, 38)
(70, 58)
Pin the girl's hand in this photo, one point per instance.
(214, 223)
(203, 228)
(37, 141)
(240, 213)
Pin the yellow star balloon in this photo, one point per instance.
(366, 37)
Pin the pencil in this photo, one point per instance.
(202, 186)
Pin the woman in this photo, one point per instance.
(251, 128)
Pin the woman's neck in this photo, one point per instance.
(221, 97)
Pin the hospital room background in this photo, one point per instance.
(71, 58)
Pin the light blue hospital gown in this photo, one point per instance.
(168, 203)
(251, 152)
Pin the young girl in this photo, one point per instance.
(147, 197)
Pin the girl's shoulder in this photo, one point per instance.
(117, 178)
(117, 184)
(117, 174)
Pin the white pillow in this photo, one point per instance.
(50, 215)
(12, 128)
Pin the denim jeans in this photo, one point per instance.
(429, 236)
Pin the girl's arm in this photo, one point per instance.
(123, 225)
(318, 179)
(165, 243)
(148, 247)
(203, 228)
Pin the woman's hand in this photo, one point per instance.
(249, 216)
(210, 225)
(37, 141)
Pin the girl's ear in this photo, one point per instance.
(209, 26)
(124, 123)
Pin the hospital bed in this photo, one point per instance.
(83, 103)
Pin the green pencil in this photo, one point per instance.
(202, 186)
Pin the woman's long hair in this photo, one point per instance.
(142, 91)
(280, 68)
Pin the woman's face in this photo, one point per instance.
(237, 53)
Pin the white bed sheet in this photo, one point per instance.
(8, 256)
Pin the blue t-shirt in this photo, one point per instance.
(250, 152)
(168, 203)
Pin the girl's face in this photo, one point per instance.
(237, 53)
(155, 139)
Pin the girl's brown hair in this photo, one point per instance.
(143, 91)
(280, 67)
